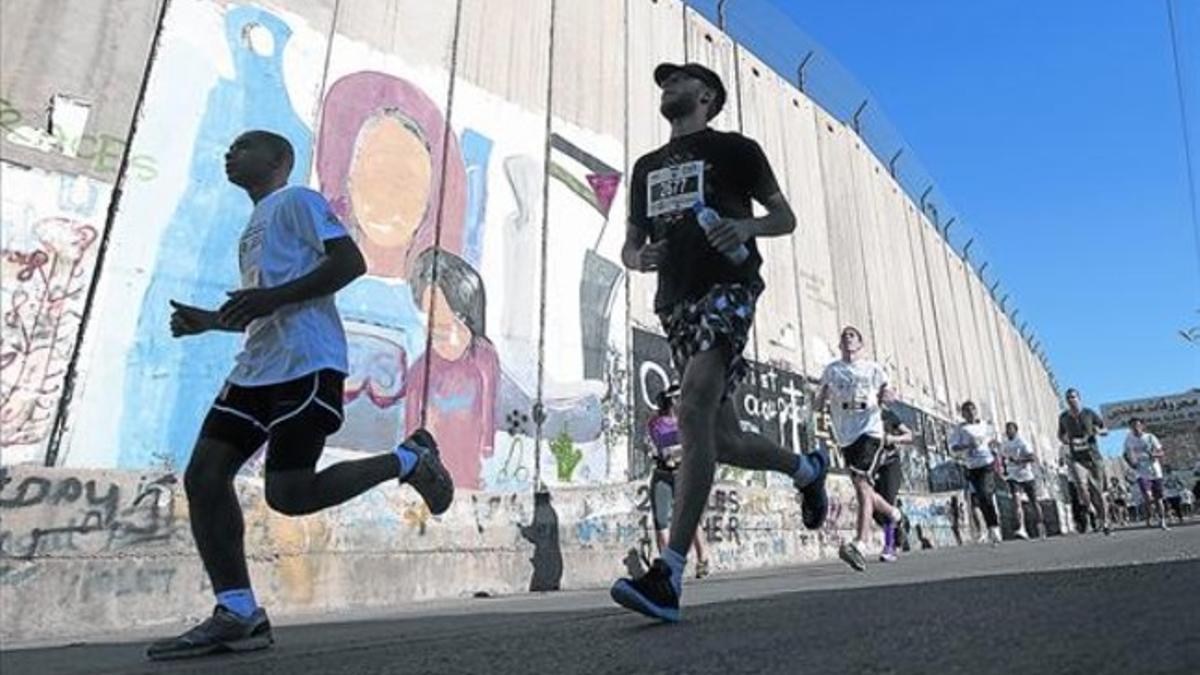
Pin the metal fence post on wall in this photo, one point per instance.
(857, 114)
(800, 70)
(892, 162)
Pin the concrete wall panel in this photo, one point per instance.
(777, 322)
(813, 262)
(503, 48)
(947, 316)
(655, 35)
(845, 230)
(879, 257)
(928, 325)
(586, 348)
(705, 43)
(72, 72)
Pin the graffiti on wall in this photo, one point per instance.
(50, 226)
(53, 514)
(771, 401)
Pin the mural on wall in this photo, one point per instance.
(170, 383)
(48, 242)
(453, 209)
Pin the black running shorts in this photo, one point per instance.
(309, 406)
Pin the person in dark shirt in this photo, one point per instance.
(888, 478)
(1078, 428)
(705, 301)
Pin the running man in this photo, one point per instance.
(1078, 428)
(1144, 454)
(285, 390)
(706, 301)
(889, 477)
(1019, 460)
(663, 429)
(975, 443)
(855, 388)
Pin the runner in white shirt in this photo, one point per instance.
(1019, 459)
(1144, 453)
(974, 442)
(855, 388)
(285, 391)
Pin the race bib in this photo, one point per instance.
(674, 188)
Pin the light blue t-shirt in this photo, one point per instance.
(285, 240)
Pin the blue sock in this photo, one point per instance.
(407, 458)
(240, 601)
(676, 562)
(806, 470)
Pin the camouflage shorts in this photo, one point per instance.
(723, 315)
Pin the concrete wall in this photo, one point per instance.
(503, 134)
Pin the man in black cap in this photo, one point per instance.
(708, 282)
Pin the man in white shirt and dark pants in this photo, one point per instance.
(1019, 459)
(855, 388)
(285, 391)
(1144, 453)
(974, 441)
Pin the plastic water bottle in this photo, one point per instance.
(707, 218)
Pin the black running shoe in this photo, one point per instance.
(429, 477)
(224, 631)
(651, 594)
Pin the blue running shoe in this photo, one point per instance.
(651, 594)
(222, 632)
(814, 500)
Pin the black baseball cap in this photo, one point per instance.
(708, 77)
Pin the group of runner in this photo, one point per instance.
(690, 221)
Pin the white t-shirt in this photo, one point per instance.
(285, 240)
(854, 399)
(1137, 451)
(1014, 449)
(977, 435)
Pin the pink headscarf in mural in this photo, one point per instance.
(352, 104)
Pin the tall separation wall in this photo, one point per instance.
(500, 132)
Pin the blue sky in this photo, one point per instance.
(1054, 130)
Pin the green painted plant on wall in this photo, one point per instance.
(566, 456)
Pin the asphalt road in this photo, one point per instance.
(1083, 604)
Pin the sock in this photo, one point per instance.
(407, 458)
(889, 538)
(805, 472)
(676, 562)
(240, 601)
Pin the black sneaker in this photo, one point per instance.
(814, 500)
(429, 477)
(224, 631)
(652, 594)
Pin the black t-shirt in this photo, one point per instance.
(1081, 426)
(891, 425)
(724, 170)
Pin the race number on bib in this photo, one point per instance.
(674, 188)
